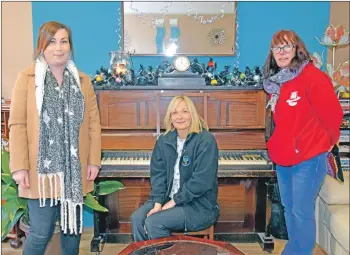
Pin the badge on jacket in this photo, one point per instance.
(186, 160)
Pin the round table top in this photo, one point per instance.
(180, 245)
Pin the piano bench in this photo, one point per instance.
(207, 233)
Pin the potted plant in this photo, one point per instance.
(15, 209)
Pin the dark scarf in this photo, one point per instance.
(272, 85)
(61, 115)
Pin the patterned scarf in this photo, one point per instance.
(273, 84)
(61, 111)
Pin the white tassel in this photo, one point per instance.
(272, 102)
(51, 189)
(65, 215)
(81, 218)
(70, 215)
(56, 195)
(44, 196)
(75, 219)
(64, 220)
(62, 216)
(39, 189)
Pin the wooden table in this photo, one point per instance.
(180, 245)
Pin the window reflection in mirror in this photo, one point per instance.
(190, 28)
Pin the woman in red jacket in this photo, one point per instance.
(307, 116)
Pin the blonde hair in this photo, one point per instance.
(197, 122)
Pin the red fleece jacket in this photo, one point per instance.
(307, 118)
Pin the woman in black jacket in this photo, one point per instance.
(184, 169)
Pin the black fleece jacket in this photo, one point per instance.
(198, 168)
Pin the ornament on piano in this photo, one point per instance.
(120, 66)
(148, 77)
(196, 67)
(211, 67)
(121, 73)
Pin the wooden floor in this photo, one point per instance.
(246, 248)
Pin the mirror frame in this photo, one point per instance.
(177, 54)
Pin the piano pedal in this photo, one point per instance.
(97, 244)
(266, 242)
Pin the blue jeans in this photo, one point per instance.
(299, 186)
(42, 225)
(158, 225)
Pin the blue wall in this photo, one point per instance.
(94, 26)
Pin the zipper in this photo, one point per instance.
(185, 232)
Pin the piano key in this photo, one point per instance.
(144, 158)
(146, 167)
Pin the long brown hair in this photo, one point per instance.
(46, 32)
(281, 37)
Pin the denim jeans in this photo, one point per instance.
(42, 225)
(299, 186)
(157, 225)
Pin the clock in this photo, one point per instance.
(182, 63)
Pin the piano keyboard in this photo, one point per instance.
(136, 164)
(144, 158)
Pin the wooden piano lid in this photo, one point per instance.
(133, 119)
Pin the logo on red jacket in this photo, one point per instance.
(294, 98)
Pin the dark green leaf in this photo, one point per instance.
(5, 223)
(8, 192)
(91, 202)
(9, 215)
(7, 178)
(23, 203)
(5, 162)
(11, 206)
(10, 224)
(108, 187)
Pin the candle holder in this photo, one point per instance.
(119, 62)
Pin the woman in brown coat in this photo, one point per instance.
(55, 140)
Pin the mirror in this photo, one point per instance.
(172, 28)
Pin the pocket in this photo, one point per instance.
(281, 149)
(208, 204)
(301, 133)
(311, 136)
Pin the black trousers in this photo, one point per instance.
(158, 225)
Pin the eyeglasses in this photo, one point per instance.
(286, 48)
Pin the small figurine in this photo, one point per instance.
(150, 76)
(257, 74)
(225, 76)
(235, 77)
(248, 74)
(196, 67)
(211, 66)
(141, 79)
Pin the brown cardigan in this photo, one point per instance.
(24, 132)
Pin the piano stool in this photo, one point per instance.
(207, 233)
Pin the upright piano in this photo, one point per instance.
(132, 120)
